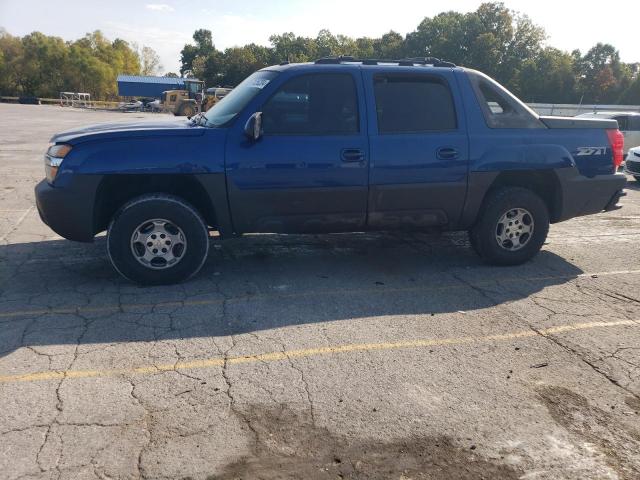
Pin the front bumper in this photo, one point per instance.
(586, 195)
(68, 210)
(632, 164)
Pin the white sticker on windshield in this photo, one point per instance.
(260, 83)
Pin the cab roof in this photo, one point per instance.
(432, 62)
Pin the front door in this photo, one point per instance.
(308, 171)
(419, 149)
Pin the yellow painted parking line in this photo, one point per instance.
(309, 352)
(72, 309)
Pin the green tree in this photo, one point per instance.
(40, 69)
(94, 63)
(493, 39)
(10, 67)
(203, 47)
(364, 47)
(210, 68)
(240, 62)
(125, 58)
(631, 96)
(603, 77)
(289, 47)
(390, 45)
(548, 77)
(448, 35)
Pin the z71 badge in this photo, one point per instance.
(583, 151)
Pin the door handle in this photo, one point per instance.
(447, 153)
(352, 155)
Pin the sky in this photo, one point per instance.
(166, 25)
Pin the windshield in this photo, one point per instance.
(232, 104)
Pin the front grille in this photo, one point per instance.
(632, 167)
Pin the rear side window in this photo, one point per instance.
(623, 122)
(500, 108)
(413, 104)
(319, 104)
(634, 123)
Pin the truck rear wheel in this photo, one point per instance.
(511, 227)
(157, 239)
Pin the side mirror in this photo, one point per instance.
(253, 127)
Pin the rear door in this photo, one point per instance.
(418, 146)
(309, 170)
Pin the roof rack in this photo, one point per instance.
(403, 62)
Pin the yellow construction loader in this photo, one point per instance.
(193, 99)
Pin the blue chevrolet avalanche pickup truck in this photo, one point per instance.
(337, 145)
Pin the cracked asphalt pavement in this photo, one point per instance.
(330, 356)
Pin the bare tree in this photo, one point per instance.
(150, 62)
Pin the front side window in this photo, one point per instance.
(413, 103)
(316, 104)
(500, 108)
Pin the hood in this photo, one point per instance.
(180, 127)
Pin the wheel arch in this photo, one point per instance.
(544, 183)
(116, 190)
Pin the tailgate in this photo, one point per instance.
(587, 140)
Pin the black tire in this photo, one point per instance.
(176, 212)
(187, 110)
(637, 177)
(498, 203)
(473, 242)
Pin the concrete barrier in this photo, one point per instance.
(571, 110)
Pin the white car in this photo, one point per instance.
(154, 106)
(132, 106)
(628, 123)
(632, 164)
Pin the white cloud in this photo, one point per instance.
(159, 7)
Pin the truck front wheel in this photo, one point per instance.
(187, 110)
(511, 227)
(157, 239)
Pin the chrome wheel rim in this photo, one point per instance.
(158, 244)
(514, 229)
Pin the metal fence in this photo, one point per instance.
(553, 109)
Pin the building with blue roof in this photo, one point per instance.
(148, 86)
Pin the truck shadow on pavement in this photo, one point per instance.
(59, 292)
(632, 185)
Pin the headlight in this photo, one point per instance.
(53, 160)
